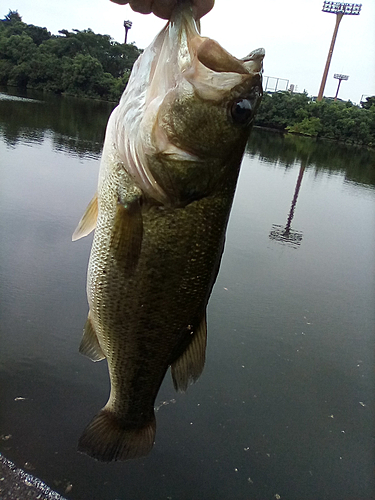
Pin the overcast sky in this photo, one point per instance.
(296, 35)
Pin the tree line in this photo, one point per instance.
(79, 63)
(87, 64)
(301, 114)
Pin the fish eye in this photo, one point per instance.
(242, 111)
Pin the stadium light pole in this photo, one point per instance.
(340, 9)
(127, 26)
(340, 78)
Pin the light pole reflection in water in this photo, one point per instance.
(287, 234)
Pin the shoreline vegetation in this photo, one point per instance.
(87, 64)
(76, 63)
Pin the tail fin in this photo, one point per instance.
(105, 439)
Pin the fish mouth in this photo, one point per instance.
(179, 61)
(186, 30)
(202, 61)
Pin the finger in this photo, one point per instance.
(163, 8)
(142, 6)
(201, 7)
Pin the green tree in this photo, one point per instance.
(80, 63)
(45, 73)
(308, 126)
(84, 75)
(280, 109)
(17, 48)
(299, 114)
(38, 35)
(370, 101)
(12, 17)
(114, 57)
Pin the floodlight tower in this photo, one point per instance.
(340, 9)
(127, 26)
(340, 78)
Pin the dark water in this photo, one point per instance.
(285, 406)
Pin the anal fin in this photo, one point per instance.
(89, 344)
(127, 234)
(189, 366)
(88, 220)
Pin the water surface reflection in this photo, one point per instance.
(74, 125)
(285, 405)
(357, 163)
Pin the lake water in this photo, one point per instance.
(285, 406)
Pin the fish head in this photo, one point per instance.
(196, 105)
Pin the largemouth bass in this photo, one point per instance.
(168, 173)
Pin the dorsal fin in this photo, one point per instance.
(88, 220)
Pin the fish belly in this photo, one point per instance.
(144, 318)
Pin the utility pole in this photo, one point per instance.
(340, 78)
(340, 9)
(127, 26)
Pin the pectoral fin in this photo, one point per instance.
(188, 367)
(127, 234)
(89, 344)
(88, 220)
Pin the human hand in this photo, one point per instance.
(164, 8)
